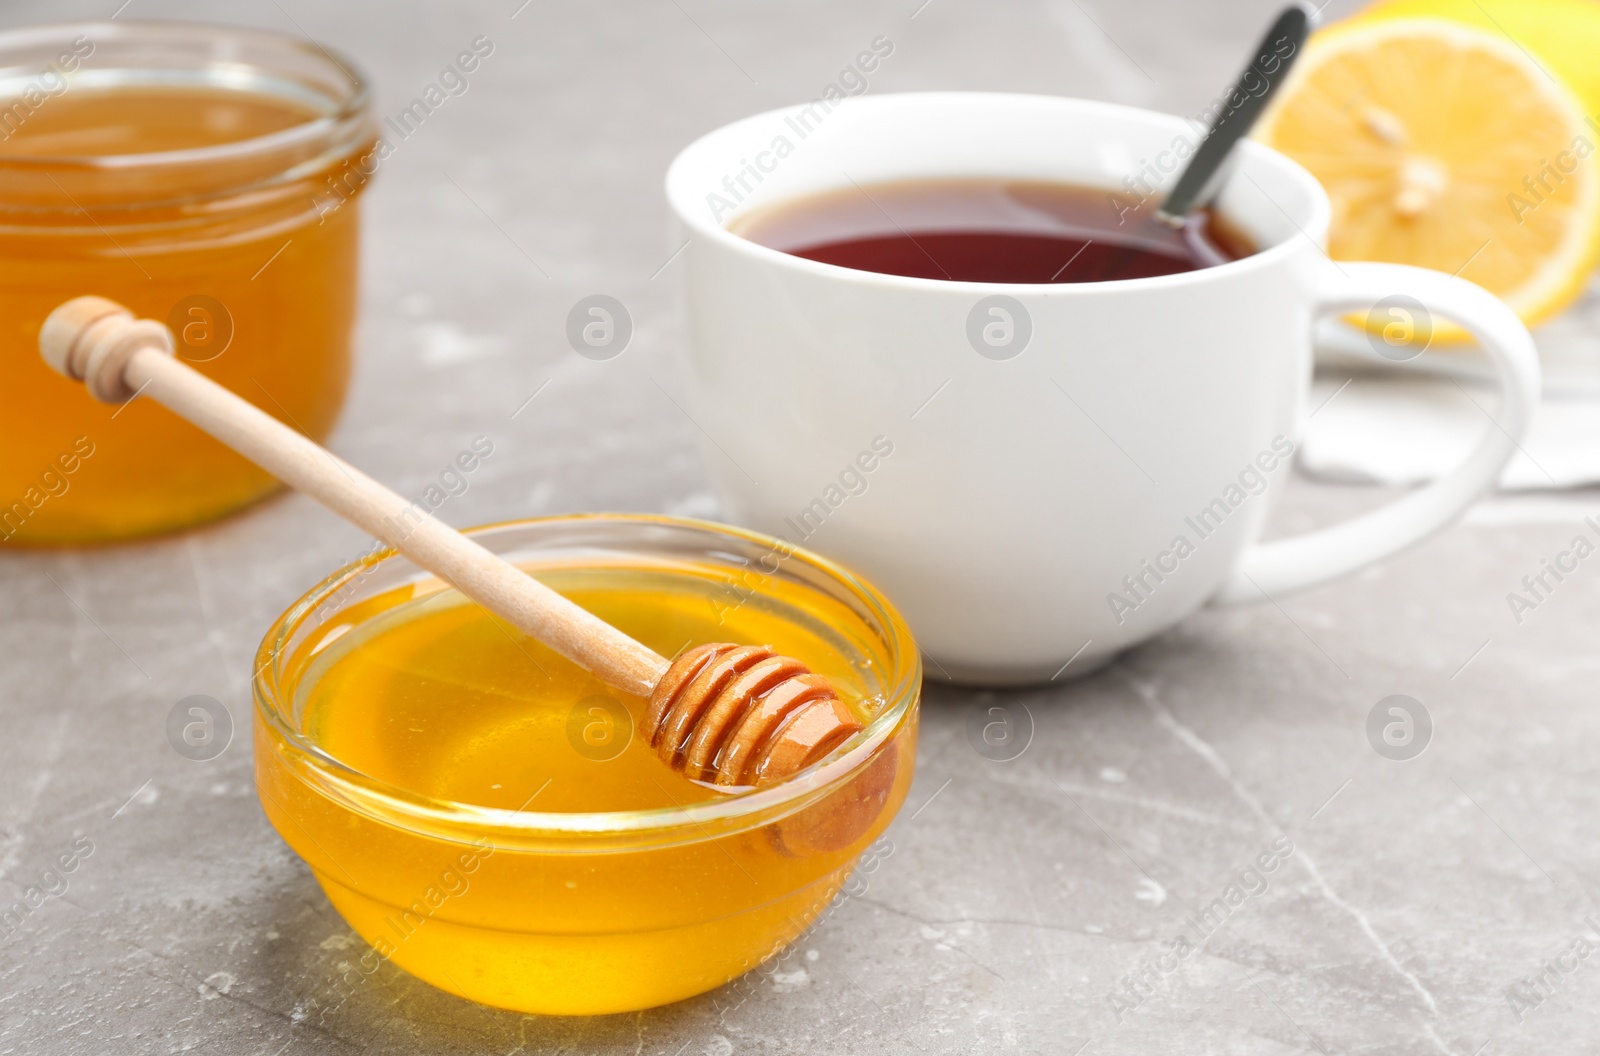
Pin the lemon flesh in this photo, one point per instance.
(1561, 35)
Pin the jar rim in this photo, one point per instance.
(450, 819)
(228, 57)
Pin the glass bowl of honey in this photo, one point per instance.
(481, 810)
(204, 176)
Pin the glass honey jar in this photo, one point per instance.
(201, 175)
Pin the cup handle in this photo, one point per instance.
(1287, 565)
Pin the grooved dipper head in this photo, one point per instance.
(743, 715)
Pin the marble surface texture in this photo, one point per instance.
(1023, 899)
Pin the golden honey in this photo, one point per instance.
(480, 811)
(187, 173)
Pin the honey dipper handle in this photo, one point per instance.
(119, 356)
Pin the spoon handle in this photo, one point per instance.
(1283, 43)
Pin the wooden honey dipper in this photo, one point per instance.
(733, 715)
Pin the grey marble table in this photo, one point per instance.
(1027, 906)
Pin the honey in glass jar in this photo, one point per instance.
(203, 176)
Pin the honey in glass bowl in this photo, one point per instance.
(482, 811)
(204, 176)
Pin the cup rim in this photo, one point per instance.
(1247, 153)
(399, 807)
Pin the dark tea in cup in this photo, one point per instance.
(991, 230)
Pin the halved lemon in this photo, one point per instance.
(1445, 146)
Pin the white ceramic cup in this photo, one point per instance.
(1018, 475)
